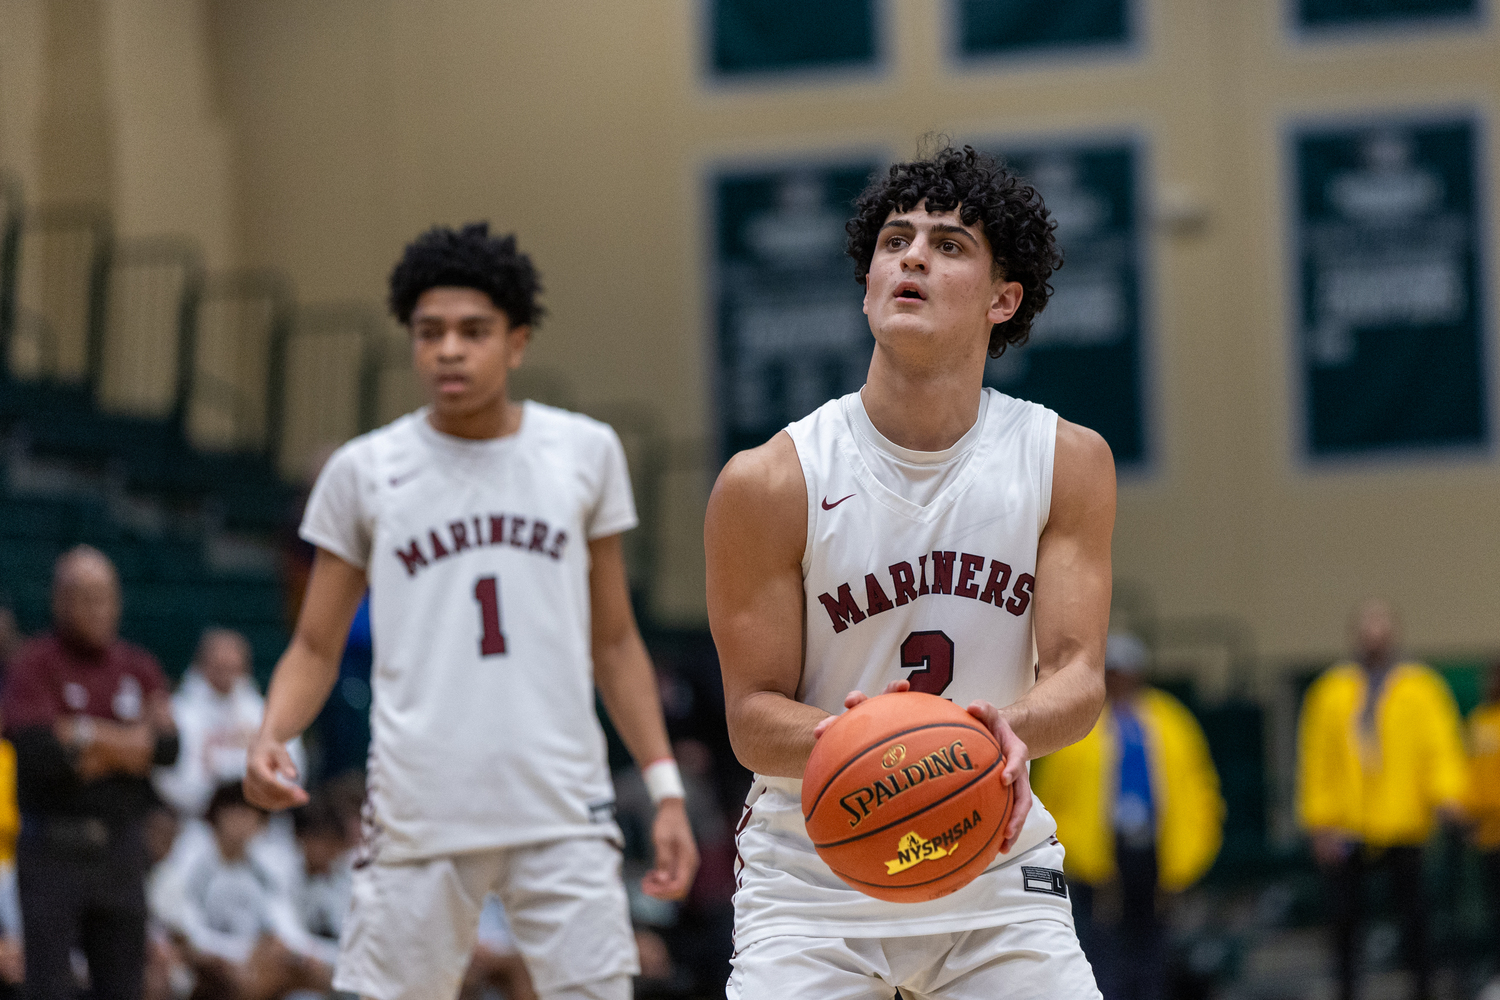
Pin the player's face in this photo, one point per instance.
(933, 280)
(464, 349)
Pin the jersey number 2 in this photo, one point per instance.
(487, 593)
(932, 654)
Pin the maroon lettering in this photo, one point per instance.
(538, 537)
(994, 587)
(460, 533)
(1018, 603)
(478, 531)
(922, 575)
(968, 566)
(903, 578)
(842, 612)
(497, 529)
(517, 527)
(557, 544)
(439, 550)
(875, 596)
(412, 558)
(929, 656)
(942, 572)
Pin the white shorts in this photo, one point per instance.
(1037, 959)
(412, 927)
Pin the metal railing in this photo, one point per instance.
(12, 210)
(61, 276)
(232, 401)
(148, 337)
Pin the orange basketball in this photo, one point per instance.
(902, 797)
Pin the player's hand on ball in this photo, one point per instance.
(1013, 774)
(271, 777)
(676, 853)
(857, 698)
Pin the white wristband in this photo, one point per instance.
(663, 780)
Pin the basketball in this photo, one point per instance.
(902, 797)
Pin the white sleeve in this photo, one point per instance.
(614, 510)
(336, 518)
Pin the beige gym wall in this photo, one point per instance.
(590, 129)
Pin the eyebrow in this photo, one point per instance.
(937, 227)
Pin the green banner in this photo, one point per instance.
(1360, 13)
(1084, 359)
(1388, 237)
(1003, 27)
(760, 36)
(791, 330)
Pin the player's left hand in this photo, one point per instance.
(676, 853)
(1013, 774)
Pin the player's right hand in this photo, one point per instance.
(271, 777)
(858, 698)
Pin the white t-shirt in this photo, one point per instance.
(483, 726)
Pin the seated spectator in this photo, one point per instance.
(218, 711)
(12, 963)
(240, 931)
(322, 896)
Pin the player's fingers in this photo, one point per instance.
(823, 725)
(895, 687)
(855, 698)
(985, 713)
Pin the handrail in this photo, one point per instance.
(325, 319)
(94, 218)
(246, 285)
(182, 252)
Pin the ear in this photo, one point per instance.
(1004, 301)
(864, 301)
(517, 338)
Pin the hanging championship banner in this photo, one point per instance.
(1390, 299)
(791, 329)
(1006, 27)
(1084, 359)
(751, 37)
(1376, 13)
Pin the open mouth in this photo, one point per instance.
(909, 291)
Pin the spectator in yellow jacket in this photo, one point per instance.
(11, 962)
(1380, 761)
(1138, 809)
(1484, 794)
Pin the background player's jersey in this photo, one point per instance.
(483, 725)
(939, 593)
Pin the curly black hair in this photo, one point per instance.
(1012, 214)
(468, 258)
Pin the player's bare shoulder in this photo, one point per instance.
(759, 503)
(1083, 476)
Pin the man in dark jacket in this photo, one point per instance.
(89, 716)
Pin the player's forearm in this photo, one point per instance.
(627, 686)
(299, 687)
(773, 734)
(1060, 710)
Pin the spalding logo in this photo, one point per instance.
(936, 765)
(893, 756)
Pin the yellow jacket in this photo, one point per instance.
(1384, 794)
(1078, 784)
(10, 810)
(1484, 775)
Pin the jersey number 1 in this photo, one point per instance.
(932, 654)
(487, 593)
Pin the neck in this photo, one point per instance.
(495, 420)
(1377, 663)
(924, 408)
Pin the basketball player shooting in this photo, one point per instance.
(488, 533)
(924, 533)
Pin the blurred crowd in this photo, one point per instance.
(140, 870)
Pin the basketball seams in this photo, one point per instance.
(856, 758)
(913, 815)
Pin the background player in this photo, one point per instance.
(488, 532)
(925, 522)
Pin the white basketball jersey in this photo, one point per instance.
(939, 594)
(483, 726)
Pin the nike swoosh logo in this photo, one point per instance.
(404, 477)
(830, 506)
